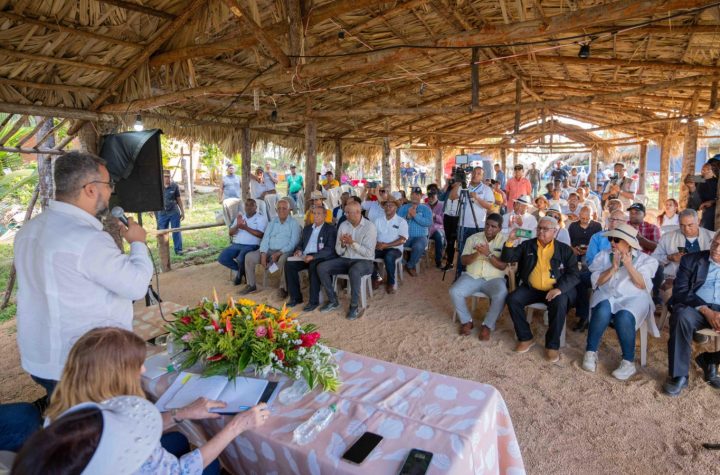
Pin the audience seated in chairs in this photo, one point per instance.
(581, 232)
(437, 230)
(694, 306)
(419, 218)
(547, 273)
(690, 237)
(246, 232)
(392, 232)
(338, 211)
(279, 240)
(317, 244)
(562, 235)
(355, 246)
(519, 220)
(317, 200)
(106, 363)
(622, 283)
(484, 272)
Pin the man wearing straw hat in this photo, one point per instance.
(519, 220)
(547, 273)
(392, 232)
(622, 283)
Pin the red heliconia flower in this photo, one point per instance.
(186, 320)
(309, 339)
(217, 357)
(228, 326)
(270, 333)
(280, 354)
(215, 325)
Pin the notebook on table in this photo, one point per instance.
(240, 394)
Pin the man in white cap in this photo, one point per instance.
(519, 221)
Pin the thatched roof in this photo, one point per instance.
(204, 69)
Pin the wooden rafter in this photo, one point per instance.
(134, 7)
(59, 61)
(258, 33)
(49, 86)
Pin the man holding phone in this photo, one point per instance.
(519, 221)
(246, 232)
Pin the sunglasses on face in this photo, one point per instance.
(614, 239)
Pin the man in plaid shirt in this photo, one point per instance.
(648, 233)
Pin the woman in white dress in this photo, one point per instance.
(622, 292)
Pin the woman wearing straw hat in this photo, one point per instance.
(554, 212)
(622, 283)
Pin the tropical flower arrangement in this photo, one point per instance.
(229, 338)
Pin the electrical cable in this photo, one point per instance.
(608, 31)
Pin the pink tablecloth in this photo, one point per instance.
(466, 425)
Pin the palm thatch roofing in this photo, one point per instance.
(424, 73)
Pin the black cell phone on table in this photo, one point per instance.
(416, 463)
(362, 448)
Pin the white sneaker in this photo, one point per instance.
(590, 361)
(625, 370)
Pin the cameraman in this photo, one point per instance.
(481, 199)
(620, 187)
(450, 220)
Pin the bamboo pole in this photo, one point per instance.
(246, 165)
(310, 159)
(193, 227)
(688, 162)
(643, 167)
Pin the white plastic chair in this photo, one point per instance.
(365, 286)
(541, 306)
(474, 297)
(230, 210)
(398, 269)
(271, 206)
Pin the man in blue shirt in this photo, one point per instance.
(695, 305)
(173, 212)
(279, 240)
(500, 176)
(419, 218)
(230, 187)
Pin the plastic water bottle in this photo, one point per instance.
(308, 430)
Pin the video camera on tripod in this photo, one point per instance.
(460, 171)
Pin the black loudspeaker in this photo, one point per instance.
(134, 160)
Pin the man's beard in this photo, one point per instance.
(102, 208)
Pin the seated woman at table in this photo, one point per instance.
(622, 283)
(108, 362)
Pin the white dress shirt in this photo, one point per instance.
(312, 245)
(389, 230)
(71, 278)
(374, 210)
(258, 222)
(484, 193)
(529, 223)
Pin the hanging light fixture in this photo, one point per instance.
(138, 126)
(341, 34)
(274, 115)
(584, 52)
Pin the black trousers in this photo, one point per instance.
(558, 307)
(684, 322)
(450, 224)
(292, 277)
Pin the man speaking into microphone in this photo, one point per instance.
(71, 275)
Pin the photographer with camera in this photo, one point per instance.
(480, 199)
(451, 216)
(620, 187)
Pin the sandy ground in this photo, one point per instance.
(567, 421)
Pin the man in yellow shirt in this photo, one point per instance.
(317, 202)
(484, 272)
(329, 182)
(547, 273)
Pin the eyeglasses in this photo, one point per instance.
(382, 191)
(110, 184)
(545, 230)
(614, 239)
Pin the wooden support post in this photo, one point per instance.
(44, 162)
(503, 159)
(518, 97)
(688, 162)
(592, 175)
(191, 177)
(310, 159)
(515, 159)
(338, 159)
(398, 166)
(163, 242)
(438, 166)
(475, 78)
(664, 168)
(643, 168)
(246, 162)
(386, 177)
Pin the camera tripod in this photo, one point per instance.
(463, 199)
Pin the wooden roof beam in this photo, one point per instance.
(139, 8)
(57, 26)
(50, 86)
(612, 63)
(59, 61)
(258, 33)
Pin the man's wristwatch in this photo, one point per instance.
(173, 414)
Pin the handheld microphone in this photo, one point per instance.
(119, 213)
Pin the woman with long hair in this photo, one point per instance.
(668, 220)
(108, 362)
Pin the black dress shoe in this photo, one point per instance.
(292, 303)
(330, 306)
(447, 267)
(237, 279)
(310, 307)
(354, 313)
(709, 369)
(580, 326)
(674, 386)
